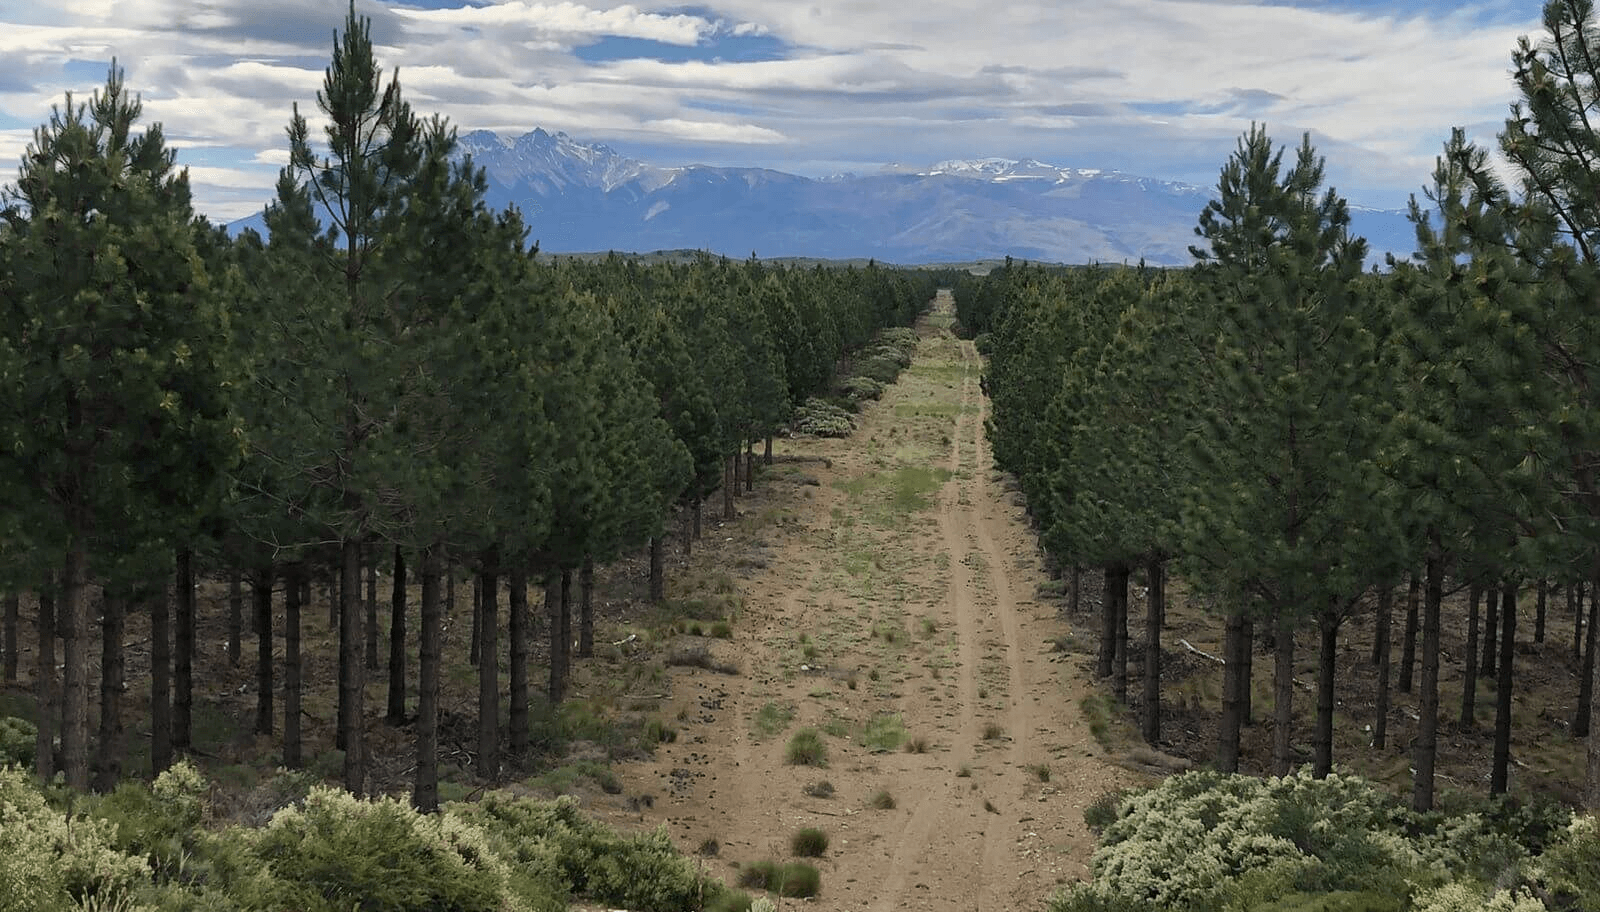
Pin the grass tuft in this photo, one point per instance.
(809, 842)
(806, 748)
(882, 800)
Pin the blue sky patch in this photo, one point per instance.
(724, 47)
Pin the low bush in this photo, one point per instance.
(816, 418)
(861, 389)
(809, 842)
(806, 748)
(18, 737)
(791, 879)
(52, 863)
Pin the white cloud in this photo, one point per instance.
(1160, 87)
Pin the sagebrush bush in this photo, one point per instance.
(817, 418)
(18, 737)
(809, 842)
(49, 862)
(159, 822)
(861, 389)
(1460, 897)
(793, 879)
(806, 748)
(1570, 868)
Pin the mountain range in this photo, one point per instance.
(584, 197)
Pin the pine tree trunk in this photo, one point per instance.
(518, 634)
(1380, 725)
(1107, 652)
(1074, 590)
(236, 614)
(586, 609)
(73, 618)
(476, 640)
(1575, 602)
(160, 681)
(1119, 657)
(372, 613)
(294, 591)
(450, 590)
(658, 577)
(699, 522)
(1155, 607)
(1491, 623)
(1541, 597)
(1327, 659)
(1591, 795)
(1408, 644)
(1425, 748)
(750, 466)
(1586, 688)
(352, 690)
(766, 457)
(554, 606)
(425, 794)
(1282, 697)
(183, 654)
(728, 482)
(261, 599)
(8, 636)
(335, 599)
(44, 681)
(489, 676)
(1247, 657)
(1233, 643)
(1469, 670)
(108, 752)
(396, 710)
(1502, 703)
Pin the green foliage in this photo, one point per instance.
(809, 842)
(806, 748)
(49, 861)
(861, 389)
(1570, 868)
(792, 879)
(1461, 897)
(159, 822)
(817, 418)
(18, 740)
(883, 733)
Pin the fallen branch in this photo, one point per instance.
(1202, 653)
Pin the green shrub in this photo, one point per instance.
(883, 732)
(1103, 811)
(861, 389)
(1571, 866)
(49, 862)
(338, 846)
(806, 748)
(574, 854)
(809, 842)
(793, 879)
(1460, 897)
(160, 823)
(882, 800)
(18, 737)
(817, 418)
(884, 369)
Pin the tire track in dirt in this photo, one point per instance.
(977, 827)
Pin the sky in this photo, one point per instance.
(1158, 88)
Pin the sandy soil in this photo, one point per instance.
(896, 577)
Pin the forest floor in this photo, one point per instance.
(890, 605)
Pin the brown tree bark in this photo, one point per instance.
(236, 614)
(518, 635)
(1282, 696)
(261, 600)
(1384, 648)
(160, 681)
(8, 637)
(73, 620)
(1233, 643)
(556, 605)
(294, 590)
(1575, 605)
(1155, 609)
(1107, 653)
(1540, 598)
(1425, 747)
(1119, 656)
(1498, 777)
(586, 609)
(352, 689)
(658, 578)
(489, 675)
(1491, 624)
(1586, 688)
(699, 522)
(108, 752)
(1469, 670)
(183, 654)
(1408, 644)
(474, 643)
(1247, 658)
(728, 483)
(750, 466)
(1074, 589)
(766, 457)
(425, 793)
(396, 709)
(371, 627)
(1327, 660)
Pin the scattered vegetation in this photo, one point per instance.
(820, 789)
(772, 718)
(806, 748)
(792, 879)
(809, 842)
(883, 733)
(882, 800)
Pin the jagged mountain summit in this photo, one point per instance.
(585, 197)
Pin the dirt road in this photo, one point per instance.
(889, 604)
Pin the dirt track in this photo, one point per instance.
(897, 579)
